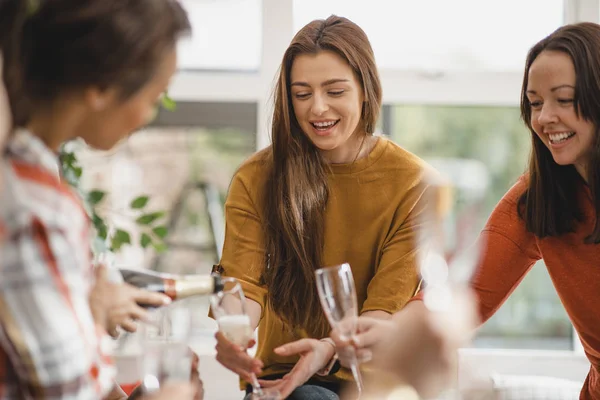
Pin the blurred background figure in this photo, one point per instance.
(62, 84)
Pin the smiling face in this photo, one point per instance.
(328, 99)
(551, 92)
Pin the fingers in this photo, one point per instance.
(148, 298)
(195, 363)
(101, 273)
(347, 356)
(225, 343)
(338, 339)
(235, 358)
(129, 325)
(364, 355)
(198, 387)
(236, 368)
(126, 316)
(287, 386)
(297, 347)
(268, 384)
(364, 324)
(136, 312)
(371, 331)
(362, 339)
(113, 331)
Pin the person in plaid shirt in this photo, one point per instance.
(72, 68)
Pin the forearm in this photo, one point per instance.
(415, 304)
(377, 314)
(254, 311)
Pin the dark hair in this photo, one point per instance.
(550, 204)
(51, 47)
(296, 191)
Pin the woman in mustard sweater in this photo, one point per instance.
(326, 191)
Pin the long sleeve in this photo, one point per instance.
(47, 334)
(243, 250)
(508, 251)
(396, 276)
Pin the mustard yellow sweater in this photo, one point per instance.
(371, 213)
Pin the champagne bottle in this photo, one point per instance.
(175, 286)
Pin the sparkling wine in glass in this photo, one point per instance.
(337, 294)
(229, 308)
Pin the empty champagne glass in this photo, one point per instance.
(167, 355)
(338, 299)
(453, 217)
(229, 309)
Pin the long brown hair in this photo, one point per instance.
(50, 47)
(550, 205)
(296, 191)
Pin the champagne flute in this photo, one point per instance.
(229, 308)
(337, 294)
(454, 212)
(167, 355)
(158, 351)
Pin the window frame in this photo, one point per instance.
(411, 87)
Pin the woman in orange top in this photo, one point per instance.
(553, 212)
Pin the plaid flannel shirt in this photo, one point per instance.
(50, 347)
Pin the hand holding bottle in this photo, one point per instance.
(118, 304)
(175, 286)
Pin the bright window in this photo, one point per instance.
(226, 35)
(533, 316)
(442, 34)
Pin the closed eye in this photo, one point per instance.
(336, 92)
(302, 96)
(536, 104)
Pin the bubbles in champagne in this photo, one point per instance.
(236, 328)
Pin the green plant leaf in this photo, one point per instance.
(119, 239)
(168, 103)
(123, 236)
(96, 196)
(100, 225)
(145, 240)
(161, 231)
(139, 202)
(148, 219)
(68, 158)
(77, 171)
(160, 247)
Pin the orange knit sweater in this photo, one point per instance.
(509, 252)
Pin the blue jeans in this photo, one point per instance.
(309, 392)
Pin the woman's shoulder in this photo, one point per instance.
(257, 165)
(513, 194)
(400, 159)
(506, 212)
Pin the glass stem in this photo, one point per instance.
(354, 367)
(255, 385)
